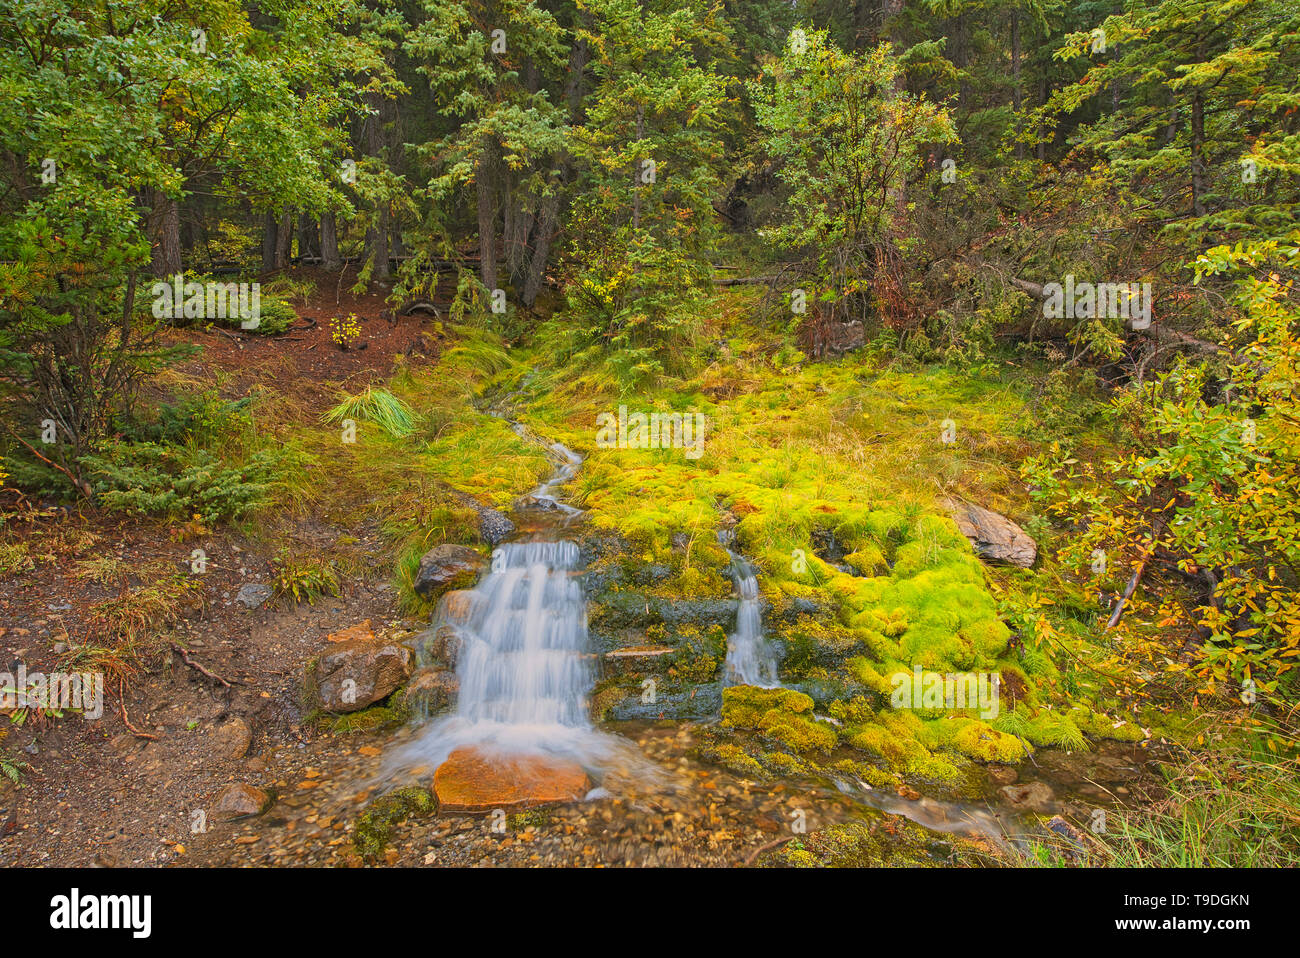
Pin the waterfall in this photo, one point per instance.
(522, 664)
(524, 668)
(750, 659)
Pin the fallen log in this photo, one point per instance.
(1156, 331)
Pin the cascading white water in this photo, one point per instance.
(522, 665)
(750, 659)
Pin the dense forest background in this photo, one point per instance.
(916, 181)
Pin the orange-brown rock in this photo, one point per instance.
(361, 630)
(471, 781)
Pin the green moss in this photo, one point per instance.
(782, 715)
(606, 697)
(873, 776)
(1051, 728)
(373, 719)
(843, 450)
(892, 843)
(733, 757)
(815, 643)
(699, 655)
(1102, 726)
(373, 828)
(785, 766)
(974, 739)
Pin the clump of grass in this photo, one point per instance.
(305, 578)
(378, 406)
(1233, 806)
(15, 558)
(137, 613)
(132, 625)
(105, 569)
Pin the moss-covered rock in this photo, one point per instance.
(892, 842)
(373, 828)
(781, 715)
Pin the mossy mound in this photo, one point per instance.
(893, 843)
(779, 715)
(373, 828)
(831, 477)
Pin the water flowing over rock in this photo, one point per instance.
(750, 658)
(522, 660)
(431, 691)
(995, 538)
(521, 731)
(471, 781)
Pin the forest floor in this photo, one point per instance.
(207, 693)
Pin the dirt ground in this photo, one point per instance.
(121, 789)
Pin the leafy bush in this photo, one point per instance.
(275, 318)
(199, 418)
(304, 578)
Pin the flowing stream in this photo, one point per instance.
(750, 659)
(524, 666)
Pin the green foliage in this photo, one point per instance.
(174, 481)
(275, 317)
(374, 827)
(305, 578)
(651, 143)
(378, 406)
(1213, 482)
(13, 768)
(845, 135)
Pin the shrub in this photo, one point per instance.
(150, 479)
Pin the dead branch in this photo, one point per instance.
(199, 668)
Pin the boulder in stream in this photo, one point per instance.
(1036, 796)
(494, 525)
(474, 781)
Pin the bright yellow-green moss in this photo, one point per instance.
(1103, 726)
(779, 714)
(841, 458)
(734, 758)
(974, 739)
(857, 845)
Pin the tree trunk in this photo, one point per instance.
(542, 234)
(165, 235)
(377, 235)
(270, 240)
(1015, 80)
(961, 58)
(284, 240)
(487, 236)
(329, 243)
(308, 238)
